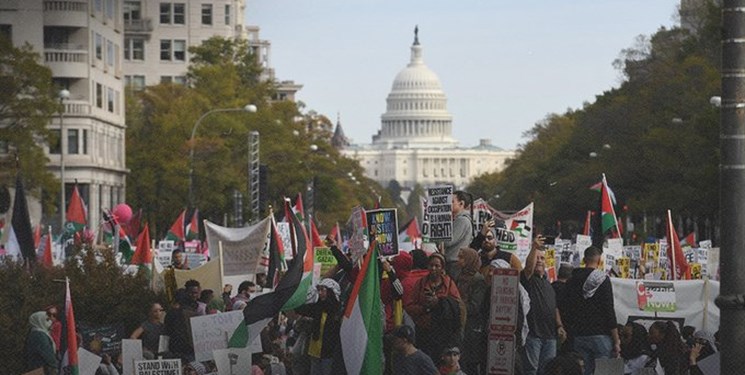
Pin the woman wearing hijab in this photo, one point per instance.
(703, 345)
(437, 309)
(472, 287)
(635, 349)
(39, 349)
(324, 340)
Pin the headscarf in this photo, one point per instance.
(216, 303)
(471, 261)
(708, 336)
(331, 285)
(198, 367)
(39, 321)
(592, 283)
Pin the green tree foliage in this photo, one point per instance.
(224, 74)
(655, 137)
(28, 100)
(101, 295)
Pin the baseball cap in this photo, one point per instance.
(405, 332)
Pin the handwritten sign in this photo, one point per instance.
(158, 367)
(325, 258)
(504, 300)
(440, 213)
(382, 226)
(211, 332)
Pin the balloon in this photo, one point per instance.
(123, 213)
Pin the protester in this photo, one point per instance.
(56, 329)
(472, 287)
(205, 297)
(635, 349)
(670, 351)
(245, 289)
(436, 308)
(703, 345)
(326, 314)
(449, 362)
(149, 331)
(177, 324)
(565, 272)
(462, 232)
(178, 260)
(591, 316)
(226, 299)
(39, 348)
(407, 359)
(391, 292)
(485, 243)
(544, 322)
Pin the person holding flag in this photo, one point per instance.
(39, 348)
(326, 314)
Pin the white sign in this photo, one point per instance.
(521, 223)
(233, 361)
(439, 214)
(211, 332)
(615, 247)
(656, 296)
(504, 300)
(501, 354)
(242, 248)
(131, 352)
(283, 229)
(158, 367)
(583, 242)
(482, 213)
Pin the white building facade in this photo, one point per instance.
(81, 42)
(414, 144)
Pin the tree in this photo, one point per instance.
(27, 104)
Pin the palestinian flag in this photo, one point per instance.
(362, 325)
(21, 237)
(276, 255)
(76, 214)
(143, 254)
(47, 258)
(298, 209)
(678, 264)
(608, 221)
(69, 341)
(689, 240)
(290, 293)
(192, 233)
(314, 236)
(409, 236)
(125, 244)
(176, 233)
(335, 233)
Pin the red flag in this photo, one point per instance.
(276, 256)
(176, 233)
(608, 220)
(76, 213)
(315, 237)
(143, 254)
(132, 228)
(680, 267)
(69, 364)
(335, 233)
(689, 240)
(46, 260)
(37, 236)
(588, 224)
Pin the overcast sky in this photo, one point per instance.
(504, 65)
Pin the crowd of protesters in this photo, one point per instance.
(436, 309)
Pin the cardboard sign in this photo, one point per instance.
(382, 226)
(656, 296)
(501, 354)
(425, 219)
(504, 300)
(440, 213)
(358, 227)
(482, 213)
(283, 229)
(325, 258)
(211, 332)
(131, 352)
(521, 224)
(158, 367)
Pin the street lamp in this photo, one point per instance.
(63, 94)
(250, 108)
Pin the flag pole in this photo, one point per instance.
(670, 244)
(612, 209)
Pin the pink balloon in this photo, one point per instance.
(122, 212)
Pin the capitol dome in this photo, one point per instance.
(416, 112)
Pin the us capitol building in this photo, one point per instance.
(415, 143)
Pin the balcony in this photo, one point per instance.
(77, 108)
(66, 60)
(142, 26)
(66, 13)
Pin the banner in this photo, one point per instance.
(242, 248)
(521, 226)
(158, 367)
(440, 213)
(655, 296)
(382, 227)
(208, 276)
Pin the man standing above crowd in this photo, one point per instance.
(462, 232)
(591, 317)
(485, 243)
(544, 321)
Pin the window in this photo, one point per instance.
(109, 53)
(179, 50)
(99, 46)
(227, 14)
(99, 95)
(55, 142)
(99, 5)
(136, 83)
(110, 9)
(72, 141)
(166, 79)
(181, 80)
(134, 49)
(84, 142)
(110, 99)
(165, 50)
(165, 13)
(132, 11)
(179, 13)
(206, 14)
(6, 31)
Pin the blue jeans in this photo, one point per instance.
(592, 348)
(538, 351)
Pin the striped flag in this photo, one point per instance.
(176, 233)
(192, 233)
(47, 259)
(69, 342)
(362, 326)
(21, 237)
(75, 218)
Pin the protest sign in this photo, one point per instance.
(482, 213)
(440, 213)
(131, 352)
(357, 225)
(501, 354)
(521, 224)
(382, 226)
(504, 300)
(656, 296)
(233, 361)
(325, 258)
(283, 229)
(211, 332)
(158, 367)
(615, 247)
(583, 242)
(87, 362)
(624, 267)
(102, 339)
(242, 248)
(696, 271)
(425, 219)
(164, 257)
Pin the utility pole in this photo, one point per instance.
(731, 300)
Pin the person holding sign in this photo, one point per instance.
(462, 232)
(485, 243)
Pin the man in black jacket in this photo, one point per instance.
(591, 317)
